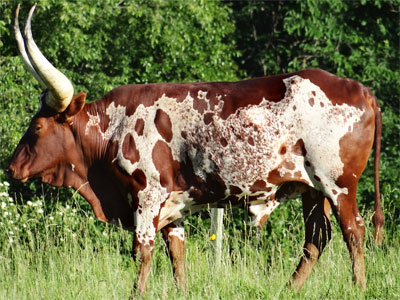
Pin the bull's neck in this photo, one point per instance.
(90, 125)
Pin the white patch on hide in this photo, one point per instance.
(261, 210)
(178, 232)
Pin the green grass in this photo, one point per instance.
(61, 253)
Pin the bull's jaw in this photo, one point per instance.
(23, 180)
(58, 176)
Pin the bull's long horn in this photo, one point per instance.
(60, 88)
(22, 51)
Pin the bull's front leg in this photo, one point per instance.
(143, 252)
(143, 244)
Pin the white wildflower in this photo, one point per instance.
(6, 213)
(6, 183)
(51, 218)
(11, 240)
(40, 210)
(3, 194)
(3, 205)
(10, 199)
(29, 203)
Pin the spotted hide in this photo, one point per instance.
(146, 156)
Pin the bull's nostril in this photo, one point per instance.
(9, 171)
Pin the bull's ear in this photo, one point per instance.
(76, 105)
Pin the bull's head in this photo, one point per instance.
(48, 144)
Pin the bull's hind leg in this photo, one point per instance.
(174, 236)
(316, 211)
(352, 226)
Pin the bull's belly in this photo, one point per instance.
(260, 203)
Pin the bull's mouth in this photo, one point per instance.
(46, 179)
(12, 174)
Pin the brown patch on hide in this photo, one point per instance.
(163, 124)
(299, 148)
(208, 118)
(140, 181)
(289, 165)
(274, 177)
(259, 185)
(282, 150)
(139, 126)
(223, 142)
(234, 190)
(200, 105)
(166, 166)
(129, 149)
(250, 140)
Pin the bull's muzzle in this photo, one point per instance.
(9, 171)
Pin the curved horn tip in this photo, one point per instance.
(33, 7)
(16, 21)
(17, 10)
(28, 32)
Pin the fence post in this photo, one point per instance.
(217, 216)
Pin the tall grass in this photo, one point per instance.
(63, 253)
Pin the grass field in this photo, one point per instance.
(63, 253)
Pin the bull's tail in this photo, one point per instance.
(377, 218)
